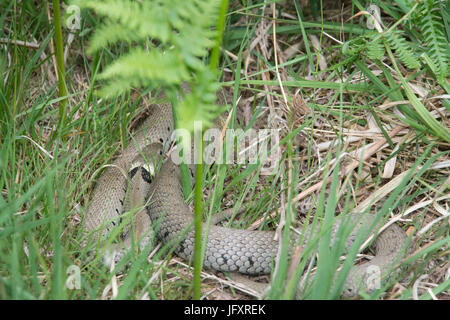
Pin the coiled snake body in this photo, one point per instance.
(244, 251)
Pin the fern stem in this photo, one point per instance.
(62, 92)
(198, 191)
(198, 221)
(215, 53)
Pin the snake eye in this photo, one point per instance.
(146, 176)
(133, 172)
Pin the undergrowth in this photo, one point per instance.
(336, 87)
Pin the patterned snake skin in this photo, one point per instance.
(244, 251)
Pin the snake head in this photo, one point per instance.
(148, 160)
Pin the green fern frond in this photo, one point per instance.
(108, 34)
(431, 24)
(403, 49)
(170, 39)
(180, 26)
(353, 46)
(147, 19)
(204, 96)
(375, 49)
(140, 68)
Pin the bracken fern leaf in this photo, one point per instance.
(140, 67)
(167, 40)
(375, 49)
(403, 49)
(430, 21)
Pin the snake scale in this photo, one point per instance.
(227, 249)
